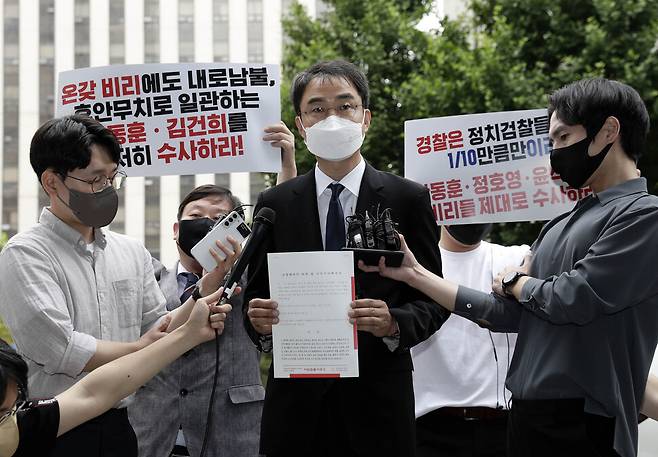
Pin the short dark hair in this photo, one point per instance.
(64, 144)
(208, 190)
(589, 102)
(12, 367)
(330, 69)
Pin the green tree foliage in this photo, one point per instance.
(378, 35)
(501, 55)
(561, 41)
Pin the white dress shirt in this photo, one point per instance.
(348, 197)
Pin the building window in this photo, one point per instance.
(10, 119)
(220, 54)
(152, 184)
(186, 30)
(117, 25)
(220, 31)
(81, 33)
(151, 31)
(255, 30)
(46, 71)
(118, 57)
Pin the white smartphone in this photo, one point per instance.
(233, 224)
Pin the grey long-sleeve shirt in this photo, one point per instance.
(588, 318)
(58, 297)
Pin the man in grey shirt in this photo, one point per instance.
(76, 297)
(586, 305)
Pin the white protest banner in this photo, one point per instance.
(181, 119)
(492, 167)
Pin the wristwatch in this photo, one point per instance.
(509, 280)
(196, 293)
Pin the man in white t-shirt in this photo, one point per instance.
(459, 372)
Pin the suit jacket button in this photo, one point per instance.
(183, 392)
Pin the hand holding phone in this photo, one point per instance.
(232, 225)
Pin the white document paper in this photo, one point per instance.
(314, 338)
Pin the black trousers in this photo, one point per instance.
(381, 432)
(332, 438)
(446, 436)
(549, 428)
(108, 435)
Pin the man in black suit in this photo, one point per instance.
(372, 415)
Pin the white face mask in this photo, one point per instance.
(9, 437)
(334, 138)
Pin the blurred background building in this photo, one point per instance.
(40, 38)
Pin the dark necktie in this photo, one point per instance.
(335, 229)
(190, 281)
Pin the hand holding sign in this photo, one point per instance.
(280, 136)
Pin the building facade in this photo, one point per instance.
(40, 38)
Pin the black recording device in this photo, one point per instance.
(373, 237)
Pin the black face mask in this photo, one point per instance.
(191, 231)
(469, 234)
(574, 165)
(93, 210)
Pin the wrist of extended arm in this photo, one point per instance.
(418, 277)
(517, 288)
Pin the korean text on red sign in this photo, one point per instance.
(492, 167)
(177, 119)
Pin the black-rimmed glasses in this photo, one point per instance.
(100, 183)
(318, 112)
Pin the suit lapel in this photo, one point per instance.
(169, 286)
(370, 192)
(305, 202)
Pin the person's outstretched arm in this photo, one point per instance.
(105, 386)
(415, 275)
(491, 311)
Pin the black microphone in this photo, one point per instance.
(263, 222)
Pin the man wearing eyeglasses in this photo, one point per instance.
(75, 297)
(372, 415)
